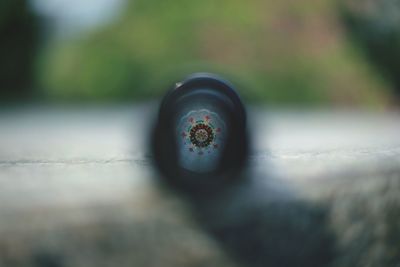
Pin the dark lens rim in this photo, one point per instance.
(164, 148)
(204, 80)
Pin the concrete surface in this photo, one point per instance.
(77, 188)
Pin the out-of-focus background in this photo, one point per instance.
(321, 83)
(303, 52)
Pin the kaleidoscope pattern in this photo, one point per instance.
(201, 137)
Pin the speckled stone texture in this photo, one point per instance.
(77, 188)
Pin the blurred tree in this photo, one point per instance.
(375, 26)
(18, 45)
(289, 52)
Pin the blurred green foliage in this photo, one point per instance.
(375, 27)
(291, 52)
(18, 46)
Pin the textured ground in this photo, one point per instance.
(77, 188)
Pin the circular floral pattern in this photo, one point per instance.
(201, 140)
(201, 135)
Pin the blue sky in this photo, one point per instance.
(70, 17)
